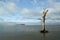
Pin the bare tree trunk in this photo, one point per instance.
(43, 23)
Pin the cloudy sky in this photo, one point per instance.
(17, 10)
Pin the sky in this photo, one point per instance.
(18, 10)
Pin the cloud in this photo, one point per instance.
(52, 5)
(11, 7)
(25, 11)
(8, 7)
(2, 10)
(55, 5)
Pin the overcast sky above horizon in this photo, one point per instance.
(28, 9)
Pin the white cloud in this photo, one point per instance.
(11, 7)
(8, 7)
(50, 10)
(55, 5)
(26, 11)
(36, 12)
(2, 10)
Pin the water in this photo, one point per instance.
(29, 32)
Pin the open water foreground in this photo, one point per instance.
(29, 32)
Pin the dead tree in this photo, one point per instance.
(43, 20)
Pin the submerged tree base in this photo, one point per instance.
(44, 31)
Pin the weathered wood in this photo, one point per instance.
(43, 20)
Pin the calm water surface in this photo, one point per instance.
(29, 32)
